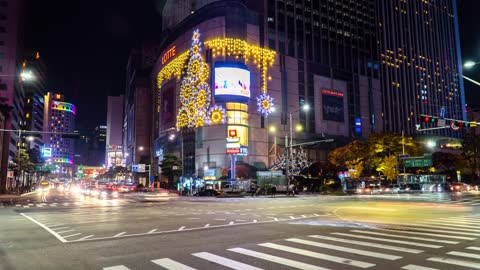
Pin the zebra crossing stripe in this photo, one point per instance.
(405, 227)
(455, 262)
(464, 219)
(276, 259)
(224, 261)
(443, 227)
(389, 240)
(171, 264)
(449, 224)
(117, 267)
(430, 234)
(473, 248)
(417, 267)
(368, 244)
(318, 255)
(345, 249)
(464, 254)
(408, 237)
(461, 222)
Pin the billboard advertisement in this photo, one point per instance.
(232, 83)
(167, 105)
(332, 103)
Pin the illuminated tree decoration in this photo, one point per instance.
(217, 115)
(265, 104)
(195, 93)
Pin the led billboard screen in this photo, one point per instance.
(231, 83)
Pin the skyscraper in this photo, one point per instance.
(59, 117)
(114, 147)
(420, 63)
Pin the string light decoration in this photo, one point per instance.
(261, 57)
(265, 104)
(195, 93)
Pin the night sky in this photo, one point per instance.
(85, 46)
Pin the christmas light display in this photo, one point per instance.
(195, 93)
(265, 104)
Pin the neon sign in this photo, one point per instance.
(63, 160)
(64, 106)
(169, 54)
(332, 93)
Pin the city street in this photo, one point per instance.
(398, 231)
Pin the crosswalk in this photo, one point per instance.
(362, 248)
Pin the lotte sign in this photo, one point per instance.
(169, 54)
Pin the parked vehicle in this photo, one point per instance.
(207, 192)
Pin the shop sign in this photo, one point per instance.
(169, 55)
(233, 151)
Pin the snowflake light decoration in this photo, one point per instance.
(265, 104)
(217, 115)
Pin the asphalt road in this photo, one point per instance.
(433, 231)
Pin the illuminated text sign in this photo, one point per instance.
(169, 54)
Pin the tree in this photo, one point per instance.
(22, 165)
(169, 161)
(388, 167)
(355, 167)
(297, 162)
(471, 152)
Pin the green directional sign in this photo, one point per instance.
(418, 162)
(45, 168)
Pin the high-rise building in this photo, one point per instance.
(99, 144)
(420, 63)
(318, 53)
(114, 148)
(59, 118)
(35, 90)
(11, 46)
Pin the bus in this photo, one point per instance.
(361, 185)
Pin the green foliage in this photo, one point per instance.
(471, 152)
(388, 167)
(26, 164)
(356, 167)
(170, 160)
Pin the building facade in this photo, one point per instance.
(283, 54)
(420, 63)
(114, 148)
(35, 90)
(59, 118)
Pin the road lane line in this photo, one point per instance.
(464, 254)
(368, 244)
(59, 224)
(223, 219)
(417, 267)
(171, 264)
(224, 261)
(345, 249)
(206, 225)
(429, 234)
(474, 248)
(117, 267)
(454, 262)
(275, 259)
(66, 231)
(119, 234)
(86, 237)
(317, 255)
(231, 223)
(75, 234)
(408, 237)
(388, 240)
(58, 236)
(181, 228)
(152, 231)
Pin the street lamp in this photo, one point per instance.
(431, 144)
(272, 129)
(140, 148)
(289, 155)
(470, 64)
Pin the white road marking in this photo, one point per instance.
(58, 236)
(56, 225)
(318, 255)
(429, 234)
(171, 264)
(119, 234)
(231, 223)
(443, 227)
(455, 262)
(254, 221)
(403, 227)
(86, 237)
(291, 217)
(448, 224)
(26, 206)
(275, 259)
(75, 234)
(408, 237)
(417, 267)
(345, 249)
(206, 225)
(193, 218)
(152, 231)
(66, 231)
(388, 240)
(224, 261)
(474, 248)
(181, 228)
(117, 267)
(220, 219)
(368, 244)
(464, 254)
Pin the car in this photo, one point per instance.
(458, 187)
(391, 189)
(91, 191)
(207, 192)
(106, 193)
(127, 188)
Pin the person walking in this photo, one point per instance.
(291, 187)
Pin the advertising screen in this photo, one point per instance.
(332, 106)
(232, 81)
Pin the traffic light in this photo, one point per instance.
(429, 119)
